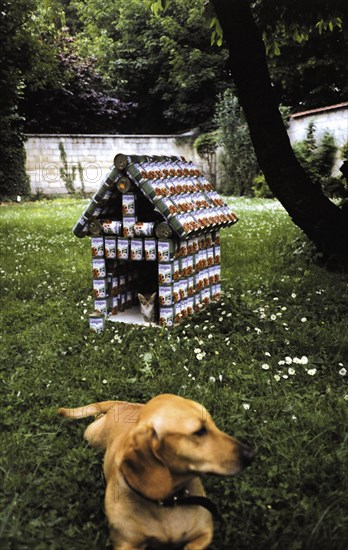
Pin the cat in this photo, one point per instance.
(148, 307)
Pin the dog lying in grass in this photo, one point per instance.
(154, 455)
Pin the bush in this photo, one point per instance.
(239, 164)
(13, 178)
(318, 158)
(260, 188)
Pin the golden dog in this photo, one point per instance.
(154, 454)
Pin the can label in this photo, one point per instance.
(183, 289)
(176, 270)
(189, 260)
(114, 305)
(110, 248)
(150, 249)
(98, 268)
(128, 226)
(114, 286)
(144, 229)
(210, 256)
(217, 274)
(128, 204)
(112, 227)
(190, 303)
(165, 273)
(166, 316)
(190, 286)
(216, 237)
(205, 296)
(101, 306)
(165, 250)
(136, 249)
(176, 292)
(211, 273)
(205, 275)
(217, 254)
(97, 244)
(99, 288)
(122, 282)
(122, 249)
(177, 313)
(96, 323)
(183, 248)
(165, 294)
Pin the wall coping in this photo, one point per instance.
(122, 136)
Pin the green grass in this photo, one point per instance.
(278, 307)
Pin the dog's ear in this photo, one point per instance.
(142, 467)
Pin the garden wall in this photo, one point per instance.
(333, 119)
(95, 154)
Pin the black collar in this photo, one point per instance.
(179, 498)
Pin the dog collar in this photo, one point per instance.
(180, 498)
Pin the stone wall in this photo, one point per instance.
(95, 154)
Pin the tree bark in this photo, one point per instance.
(320, 219)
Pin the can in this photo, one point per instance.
(165, 295)
(114, 305)
(128, 226)
(165, 250)
(183, 289)
(217, 273)
(101, 306)
(205, 296)
(122, 282)
(165, 273)
(166, 316)
(211, 275)
(210, 256)
(97, 244)
(163, 230)
(150, 249)
(112, 176)
(144, 229)
(177, 313)
(189, 264)
(110, 247)
(99, 288)
(183, 248)
(136, 249)
(176, 292)
(114, 285)
(98, 268)
(96, 323)
(129, 299)
(190, 304)
(122, 249)
(190, 286)
(183, 267)
(95, 227)
(121, 161)
(112, 227)
(176, 270)
(166, 206)
(128, 204)
(80, 229)
(217, 254)
(124, 184)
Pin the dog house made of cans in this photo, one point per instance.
(154, 225)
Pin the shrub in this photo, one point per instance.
(238, 160)
(261, 189)
(206, 145)
(318, 158)
(13, 178)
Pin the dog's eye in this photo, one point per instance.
(202, 431)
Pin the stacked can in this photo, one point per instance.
(188, 276)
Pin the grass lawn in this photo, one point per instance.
(269, 362)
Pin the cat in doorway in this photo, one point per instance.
(148, 307)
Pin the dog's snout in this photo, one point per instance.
(246, 455)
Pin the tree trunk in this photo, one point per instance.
(322, 221)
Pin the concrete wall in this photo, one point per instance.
(95, 153)
(334, 120)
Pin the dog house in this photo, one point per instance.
(154, 225)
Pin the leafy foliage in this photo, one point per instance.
(318, 158)
(238, 157)
(164, 64)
